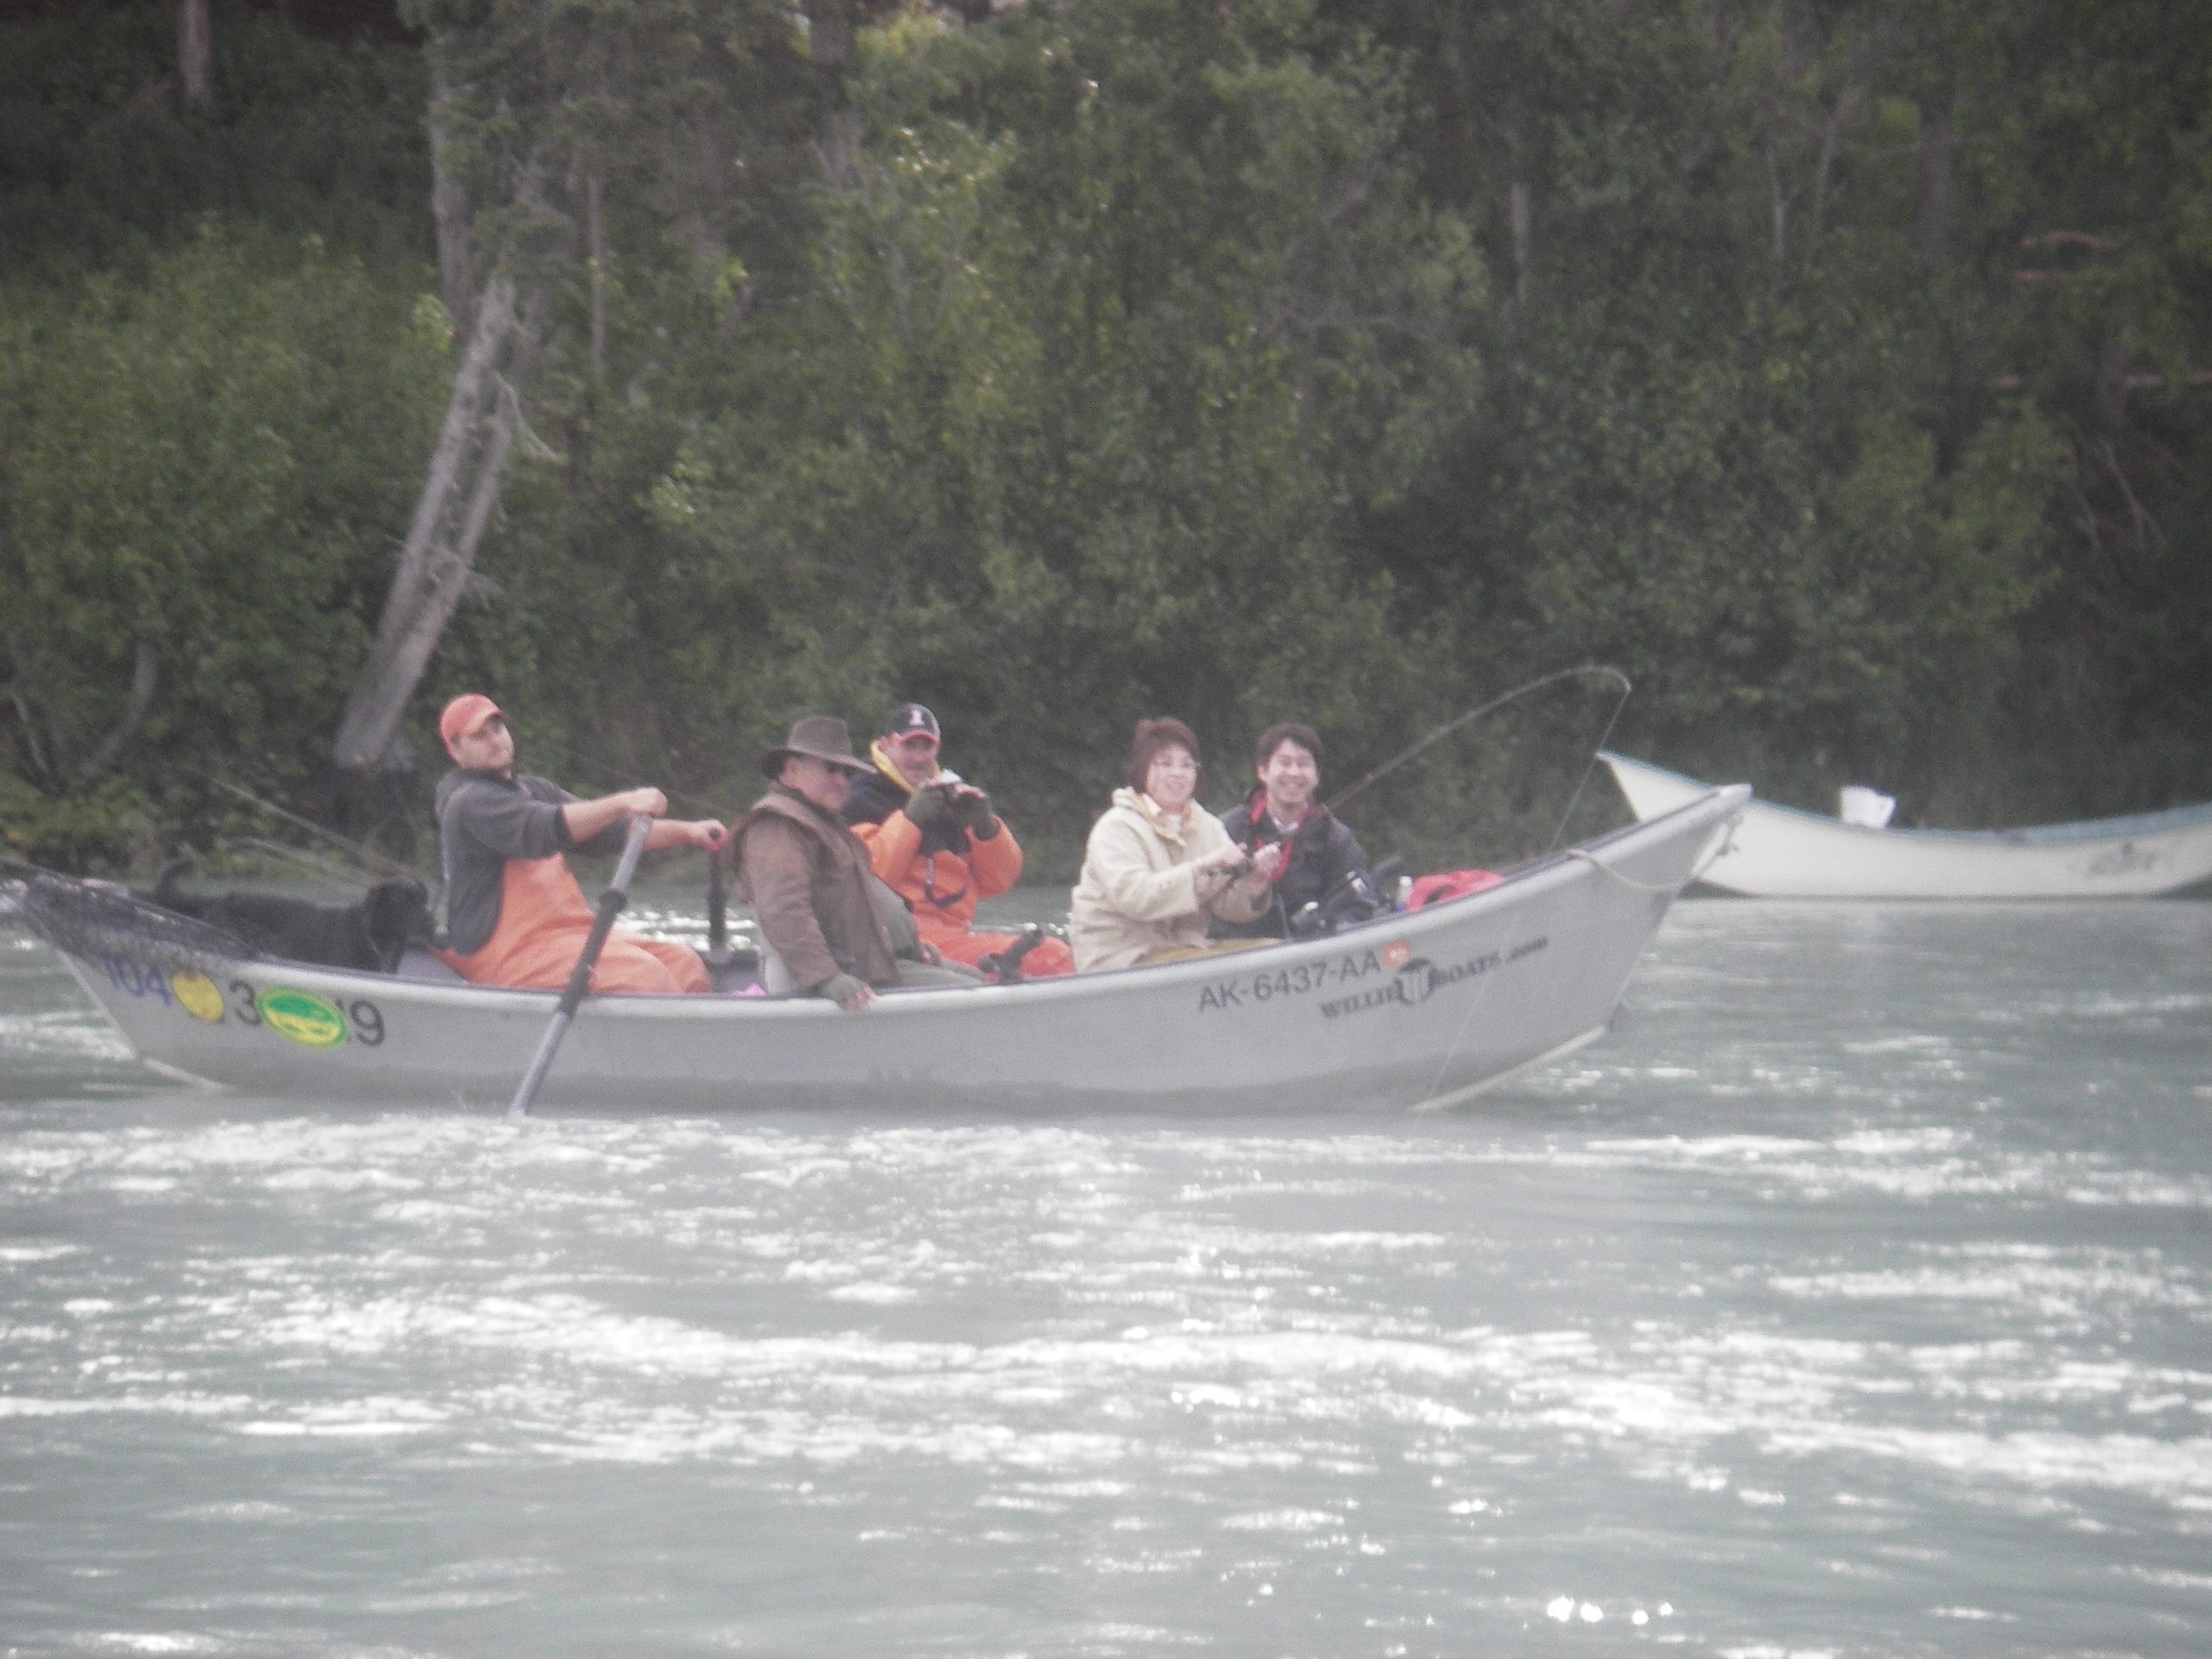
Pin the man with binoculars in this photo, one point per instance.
(932, 836)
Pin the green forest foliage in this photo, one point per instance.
(1839, 373)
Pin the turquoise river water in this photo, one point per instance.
(1853, 1298)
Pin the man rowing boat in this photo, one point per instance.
(514, 913)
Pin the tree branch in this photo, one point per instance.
(142, 700)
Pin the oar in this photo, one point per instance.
(610, 905)
(717, 909)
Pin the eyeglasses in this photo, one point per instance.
(914, 740)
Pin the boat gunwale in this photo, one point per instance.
(1527, 880)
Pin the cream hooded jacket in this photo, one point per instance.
(1137, 892)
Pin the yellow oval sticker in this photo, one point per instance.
(308, 1020)
(197, 995)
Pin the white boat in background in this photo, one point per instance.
(1778, 852)
(1417, 1007)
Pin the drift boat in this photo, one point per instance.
(1414, 1007)
(1778, 852)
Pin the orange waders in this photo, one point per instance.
(895, 848)
(542, 922)
(1047, 956)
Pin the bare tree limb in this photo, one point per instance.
(595, 230)
(195, 52)
(2146, 527)
(1847, 105)
(449, 208)
(142, 678)
(1931, 218)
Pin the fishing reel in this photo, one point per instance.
(1358, 897)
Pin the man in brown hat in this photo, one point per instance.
(807, 876)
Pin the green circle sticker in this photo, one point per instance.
(308, 1020)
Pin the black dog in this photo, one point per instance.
(372, 935)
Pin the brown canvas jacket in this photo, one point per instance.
(806, 876)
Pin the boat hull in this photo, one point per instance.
(1417, 1007)
(1778, 852)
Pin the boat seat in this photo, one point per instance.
(732, 972)
(776, 977)
(417, 962)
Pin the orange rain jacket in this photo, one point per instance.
(941, 887)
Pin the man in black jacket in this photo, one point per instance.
(1281, 807)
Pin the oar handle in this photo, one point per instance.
(717, 904)
(610, 905)
(579, 986)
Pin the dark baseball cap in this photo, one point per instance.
(909, 718)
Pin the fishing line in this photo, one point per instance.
(1454, 724)
(1722, 843)
(1585, 670)
(1590, 765)
(300, 856)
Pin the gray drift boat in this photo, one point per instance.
(1417, 1007)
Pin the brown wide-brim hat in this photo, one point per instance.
(821, 737)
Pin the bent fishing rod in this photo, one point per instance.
(1597, 670)
(714, 807)
(1456, 721)
(367, 856)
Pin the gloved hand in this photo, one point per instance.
(927, 804)
(973, 810)
(842, 988)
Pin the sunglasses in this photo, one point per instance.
(915, 740)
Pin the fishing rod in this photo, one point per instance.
(719, 810)
(307, 860)
(354, 848)
(1586, 670)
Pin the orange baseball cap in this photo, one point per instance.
(465, 714)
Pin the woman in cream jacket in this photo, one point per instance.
(1160, 867)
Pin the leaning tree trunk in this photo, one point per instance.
(195, 53)
(148, 663)
(482, 420)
